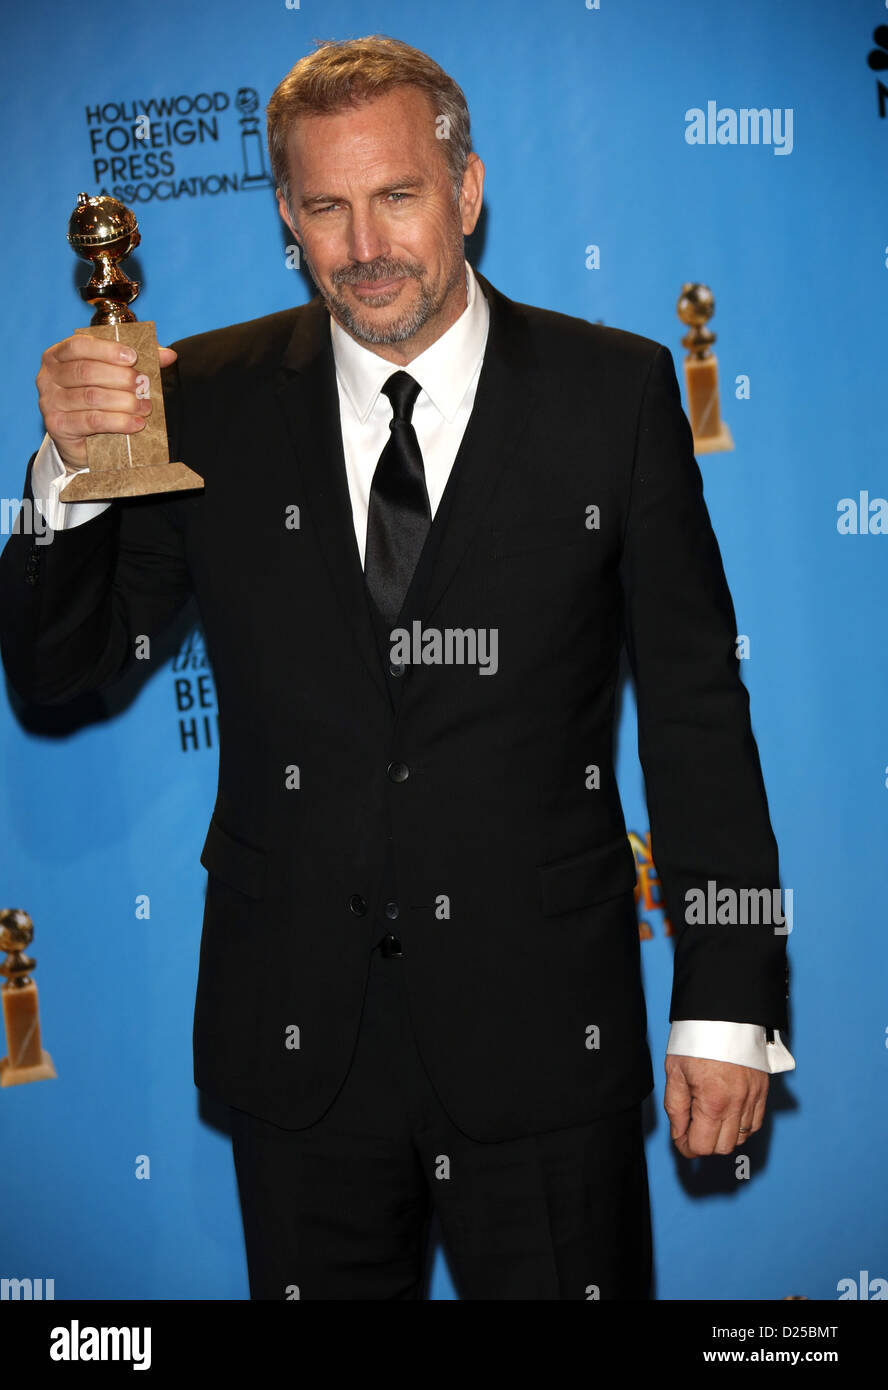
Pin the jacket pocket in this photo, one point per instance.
(548, 534)
(591, 877)
(240, 865)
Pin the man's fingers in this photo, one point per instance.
(758, 1114)
(76, 426)
(100, 398)
(718, 1130)
(81, 345)
(753, 1114)
(755, 1105)
(71, 374)
(708, 1134)
(701, 1138)
(729, 1135)
(677, 1102)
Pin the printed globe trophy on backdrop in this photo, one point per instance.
(26, 1059)
(696, 305)
(104, 231)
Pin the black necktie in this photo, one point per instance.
(399, 514)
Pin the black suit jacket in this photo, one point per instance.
(514, 880)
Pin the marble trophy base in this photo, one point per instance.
(27, 1061)
(711, 434)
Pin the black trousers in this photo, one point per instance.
(341, 1210)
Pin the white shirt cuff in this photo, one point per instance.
(742, 1043)
(48, 474)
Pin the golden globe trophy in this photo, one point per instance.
(103, 231)
(696, 305)
(26, 1059)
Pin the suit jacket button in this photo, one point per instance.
(358, 905)
(391, 911)
(398, 772)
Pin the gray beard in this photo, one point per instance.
(406, 325)
(398, 331)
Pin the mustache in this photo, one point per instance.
(380, 270)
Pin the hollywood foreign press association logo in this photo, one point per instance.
(193, 145)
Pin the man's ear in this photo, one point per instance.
(471, 193)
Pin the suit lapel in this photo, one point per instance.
(307, 390)
(503, 400)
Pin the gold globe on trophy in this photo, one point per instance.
(104, 231)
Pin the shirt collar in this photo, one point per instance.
(444, 370)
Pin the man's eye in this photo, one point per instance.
(330, 207)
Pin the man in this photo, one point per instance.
(431, 518)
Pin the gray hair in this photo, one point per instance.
(348, 72)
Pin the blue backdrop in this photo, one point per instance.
(579, 113)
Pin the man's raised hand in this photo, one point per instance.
(87, 386)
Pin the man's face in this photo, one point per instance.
(374, 212)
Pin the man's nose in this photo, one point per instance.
(366, 239)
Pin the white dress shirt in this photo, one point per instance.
(447, 373)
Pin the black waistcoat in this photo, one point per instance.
(412, 609)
